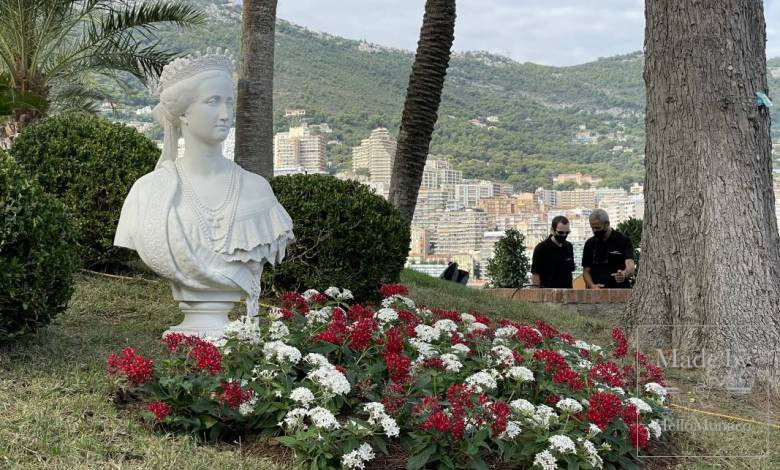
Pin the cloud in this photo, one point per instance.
(559, 32)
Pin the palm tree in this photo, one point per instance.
(422, 103)
(51, 50)
(254, 103)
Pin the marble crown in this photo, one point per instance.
(190, 65)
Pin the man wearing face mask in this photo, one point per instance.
(553, 259)
(608, 256)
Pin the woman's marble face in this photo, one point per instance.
(210, 117)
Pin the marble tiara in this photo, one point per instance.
(190, 65)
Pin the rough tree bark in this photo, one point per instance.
(254, 149)
(422, 103)
(710, 245)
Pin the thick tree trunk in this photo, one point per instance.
(254, 104)
(422, 103)
(710, 246)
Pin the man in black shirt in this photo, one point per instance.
(608, 256)
(553, 259)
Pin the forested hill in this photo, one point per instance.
(535, 111)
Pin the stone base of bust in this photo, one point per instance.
(205, 310)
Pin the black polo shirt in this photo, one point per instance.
(605, 257)
(554, 264)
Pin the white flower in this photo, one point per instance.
(584, 364)
(641, 405)
(375, 410)
(426, 350)
(275, 313)
(427, 333)
(543, 417)
(593, 430)
(346, 294)
(386, 315)
(323, 418)
(243, 329)
(655, 428)
(331, 380)
(506, 332)
(582, 345)
(512, 430)
(302, 395)
(546, 460)
(461, 348)
(398, 298)
(476, 326)
(332, 291)
(390, 426)
(263, 374)
(523, 374)
(569, 405)
(591, 454)
(446, 325)
(278, 331)
(294, 418)
(451, 362)
(316, 360)
(281, 352)
(358, 457)
(317, 317)
(248, 406)
(657, 390)
(522, 406)
(504, 355)
(468, 318)
(562, 444)
(310, 293)
(481, 379)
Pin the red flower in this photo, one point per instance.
(233, 395)
(207, 356)
(408, 317)
(519, 358)
(394, 398)
(547, 330)
(286, 313)
(529, 336)
(621, 345)
(397, 366)
(438, 421)
(481, 318)
(361, 334)
(501, 412)
(650, 372)
(552, 399)
(603, 408)
(160, 409)
(136, 368)
(440, 313)
(319, 298)
(295, 300)
(174, 340)
(427, 403)
(630, 414)
(395, 342)
(389, 290)
(606, 372)
(638, 435)
(569, 377)
(567, 337)
(433, 363)
(552, 359)
(359, 312)
(336, 331)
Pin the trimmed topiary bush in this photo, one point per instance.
(509, 265)
(345, 236)
(90, 164)
(38, 253)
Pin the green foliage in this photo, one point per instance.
(632, 228)
(345, 235)
(37, 253)
(509, 265)
(89, 164)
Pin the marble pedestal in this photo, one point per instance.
(205, 310)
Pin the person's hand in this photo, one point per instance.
(619, 276)
(597, 286)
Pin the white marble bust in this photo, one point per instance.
(201, 220)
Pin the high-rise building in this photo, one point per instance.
(376, 154)
(577, 178)
(299, 151)
(460, 232)
(439, 172)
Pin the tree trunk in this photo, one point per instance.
(422, 103)
(710, 245)
(254, 104)
(11, 128)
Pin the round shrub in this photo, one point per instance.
(38, 253)
(90, 164)
(345, 235)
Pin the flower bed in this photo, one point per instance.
(340, 384)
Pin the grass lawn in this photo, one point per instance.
(56, 409)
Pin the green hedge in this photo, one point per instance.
(90, 164)
(38, 253)
(346, 236)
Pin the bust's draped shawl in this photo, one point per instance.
(151, 224)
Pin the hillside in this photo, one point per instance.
(537, 110)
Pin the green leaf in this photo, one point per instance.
(419, 460)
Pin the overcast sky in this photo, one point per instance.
(551, 32)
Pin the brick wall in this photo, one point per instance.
(566, 296)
